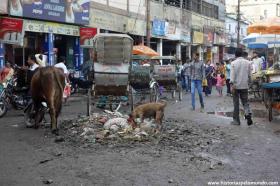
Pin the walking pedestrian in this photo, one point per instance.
(240, 76)
(197, 73)
(220, 84)
(228, 67)
(186, 69)
(209, 70)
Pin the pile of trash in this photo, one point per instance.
(101, 127)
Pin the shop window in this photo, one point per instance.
(196, 6)
(172, 2)
(187, 4)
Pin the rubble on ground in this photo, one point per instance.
(108, 126)
(112, 129)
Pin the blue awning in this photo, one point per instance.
(257, 45)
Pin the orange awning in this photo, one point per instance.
(144, 50)
(268, 26)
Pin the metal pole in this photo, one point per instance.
(238, 24)
(148, 26)
(274, 49)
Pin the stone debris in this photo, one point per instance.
(99, 127)
(178, 136)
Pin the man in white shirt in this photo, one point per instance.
(41, 59)
(31, 61)
(61, 64)
(256, 63)
(240, 75)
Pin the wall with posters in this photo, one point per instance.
(4, 7)
(76, 12)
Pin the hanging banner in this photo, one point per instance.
(4, 7)
(86, 37)
(11, 31)
(68, 11)
(158, 27)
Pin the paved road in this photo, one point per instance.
(249, 153)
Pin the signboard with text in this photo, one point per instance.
(86, 37)
(69, 11)
(11, 31)
(158, 27)
(198, 37)
(48, 27)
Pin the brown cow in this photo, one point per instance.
(47, 85)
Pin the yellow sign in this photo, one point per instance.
(48, 27)
(198, 37)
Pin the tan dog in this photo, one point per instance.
(148, 110)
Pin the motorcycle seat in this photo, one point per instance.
(20, 89)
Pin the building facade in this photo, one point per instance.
(177, 27)
(51, 27)
(255, 10)
(231, 32)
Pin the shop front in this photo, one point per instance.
(11, 38)
(53, 40)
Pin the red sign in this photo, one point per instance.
(86, 37)
(11, 31)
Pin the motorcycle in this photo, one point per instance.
(78, 82)
(30, 115)
(11, 94)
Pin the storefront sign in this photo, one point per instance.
(172, 32)
(136, 26)
(108, 21)
(86, 37)
(4, 7)
(186, 36)
(219, 39)
(158, 27)
(197, 37)
(208, 36)
(47, 27)
(11, 31)
(69, 11)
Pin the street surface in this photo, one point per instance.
(194, 149)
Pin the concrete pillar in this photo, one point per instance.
(48, 48)
(200, 51)
(159, 47)
(77, 51)
(2, 55)
(189, 51)
(178, 51)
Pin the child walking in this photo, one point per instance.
(220, 83)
